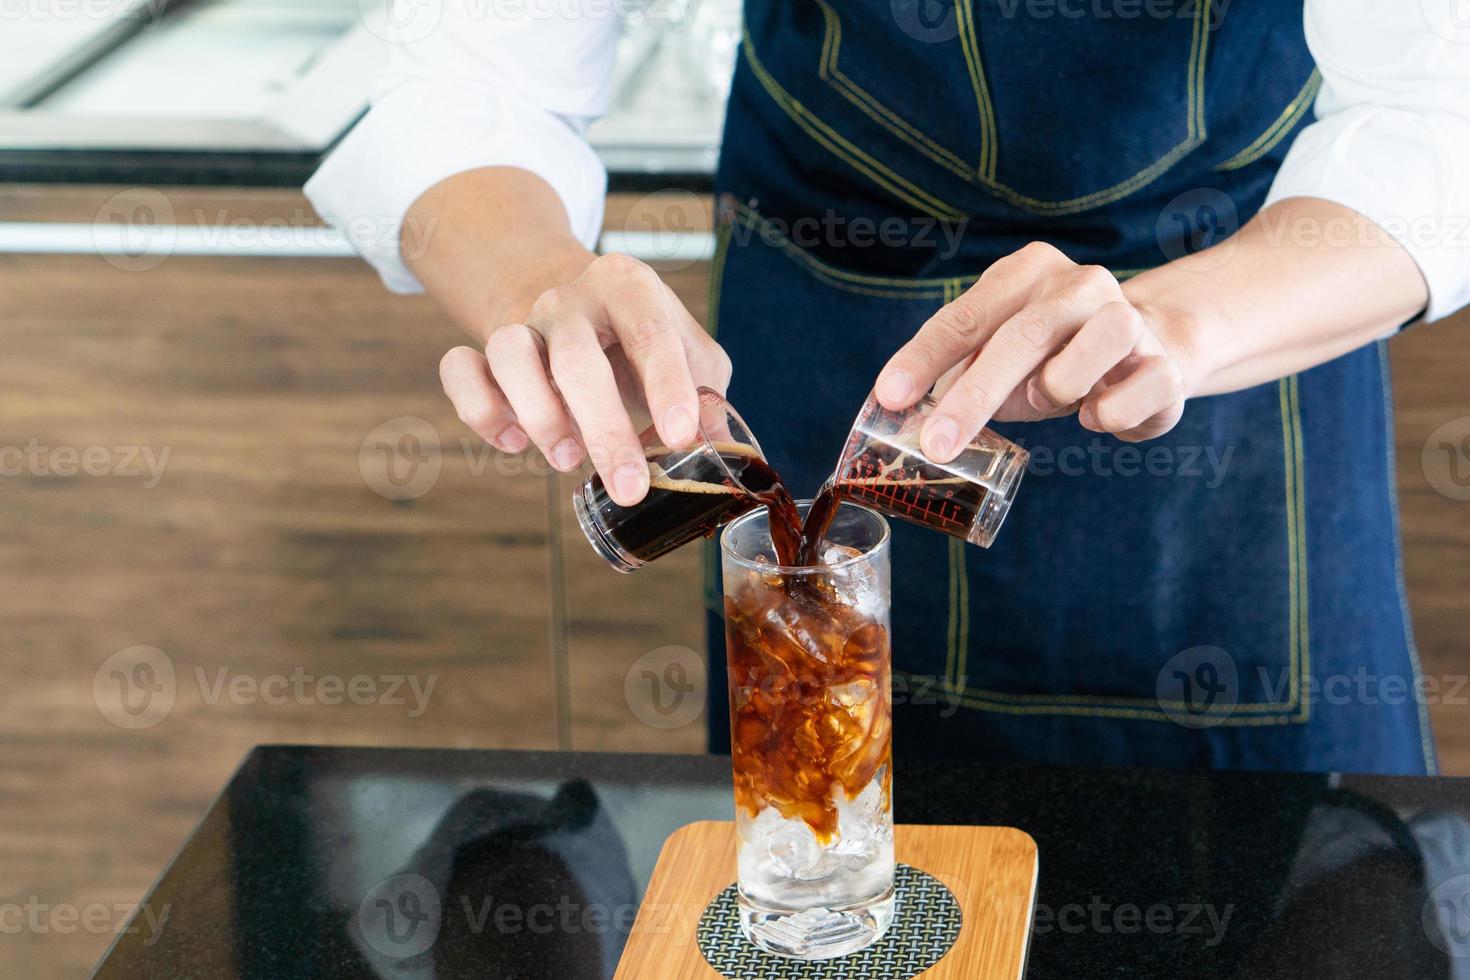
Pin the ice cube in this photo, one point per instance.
(794, 849)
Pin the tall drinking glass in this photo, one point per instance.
(811, 736)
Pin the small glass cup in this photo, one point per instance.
(811, 736)
(882, 466)
(692, 492)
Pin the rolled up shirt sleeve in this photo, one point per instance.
(489, 85)
(1392, 135)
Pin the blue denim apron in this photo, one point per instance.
(1228, 595)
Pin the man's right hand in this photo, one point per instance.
(589, 353)
(573, 344)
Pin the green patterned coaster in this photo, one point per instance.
(925, 926)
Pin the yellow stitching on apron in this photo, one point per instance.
(876, 110)
(970, 45)
(836, 143)
(1288, 444)
(717, 279)
(1198, 56)
(1195, 134)
(1154, 709)
(1277, 131)
(1304, 670)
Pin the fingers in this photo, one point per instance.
(589, 389)
(1104, 340)
(1016, 349)
(1144, 404)
(961, 327)
(642, 315)
(517, 362)
(479, 403)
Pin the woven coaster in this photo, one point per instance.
(926, 923)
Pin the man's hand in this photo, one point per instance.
(1036, 337)
(613, 339)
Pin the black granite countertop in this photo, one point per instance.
(1144, 873)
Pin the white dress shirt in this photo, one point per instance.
(488, 84)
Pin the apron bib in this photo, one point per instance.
(1227, 595)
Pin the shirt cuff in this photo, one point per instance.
(418, 135)
(1398, 169)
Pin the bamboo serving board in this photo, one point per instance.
(990, 870)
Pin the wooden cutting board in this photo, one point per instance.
(990, 870)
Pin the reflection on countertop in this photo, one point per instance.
(373, 863)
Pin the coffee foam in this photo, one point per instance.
(659, 478)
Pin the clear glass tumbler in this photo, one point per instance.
(811, 736)
(882, 466)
